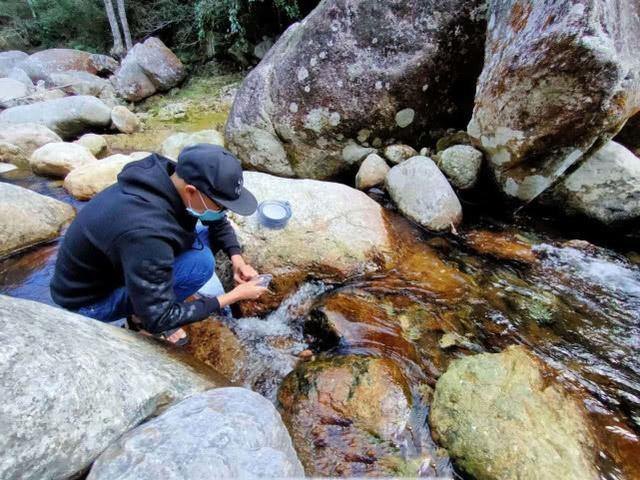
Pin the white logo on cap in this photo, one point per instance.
(239, 187)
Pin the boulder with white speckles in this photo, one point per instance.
(353, 71)
(560, 78)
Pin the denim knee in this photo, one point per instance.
(192, 269)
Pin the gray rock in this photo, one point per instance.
(96, 144)
(261, 49)
(40, 65)
(422, 193)
(130, 81)
(89, 179)
(103, 64)
(559, 78)
(399, 153)
(27, 218)
(9, 60)
(350, 67)
(28, 137)
(79, 83)
(20, 75)
(174, 144)
(500, 418)
(10, 90)
(372, 172)
(68, 117)
(13, 155)
(222, 433)
(605, 188)
(6, 167)
(354, 154)
(72, 386)
(125, 120)
(461, 164)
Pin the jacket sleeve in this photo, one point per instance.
(147, 263)
(223, 237)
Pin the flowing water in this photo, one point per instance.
(574, 304)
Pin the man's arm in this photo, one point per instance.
(147, 263)
(223, 237)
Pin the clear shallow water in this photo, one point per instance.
(577, 307)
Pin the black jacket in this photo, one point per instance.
(129, 234)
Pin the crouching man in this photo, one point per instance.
(137, 248)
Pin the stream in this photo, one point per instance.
(576, 305)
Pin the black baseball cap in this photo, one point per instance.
(218, 174)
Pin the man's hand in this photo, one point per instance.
(242, 272)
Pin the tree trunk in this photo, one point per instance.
(125, 25)
(118, 48)
(33, 11)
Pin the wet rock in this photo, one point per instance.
(501, 245)
(372, 172)
(40, 65)
(605, 188)
(423, 194)
(96, 144)
(73, 386)
(19, 141)
(222, 433)
(559, 78)
(349, 68)
(461, 164)
(125, 120)
(58, 159)
(344, 413)
(89, 179)
(450, 139)
(149, 66)
(342, 230)
(29, 218)
(486, 402)
(214, 343)
(68, 117)
(10, 90)
(9, 60)
(173, 145)
(399, 153)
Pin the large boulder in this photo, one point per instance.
(9, 60)
(174, 144)
(222, 433)
(354, 71)
(58, 159)
(89, 179)
(500, 418)
(349, 408)
(149, 66)
(80, 83)
(10, 90)
(342, 230)
(605, 188)
(19, 141)
(72, 386)
(560, 78)
(423, 194)
(29, 218)
(40, 65)
(68, 117)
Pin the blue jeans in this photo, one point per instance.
(193, 270)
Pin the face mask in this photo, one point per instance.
(208, 215)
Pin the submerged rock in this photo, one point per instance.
(345, 413)
(356, 72)
(461, 164)
(58, 159)
(68, 117)
(173, 145)
(85, 181)
(372, 172)
(72, 386)
(422, 193)
(222, 433)
(342, 230)
(605, 188)
(28, 218)
(501, 245)
(500, 418)
(559, 78)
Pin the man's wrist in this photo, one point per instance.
(237, 260)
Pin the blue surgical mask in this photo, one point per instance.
(208, 215)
